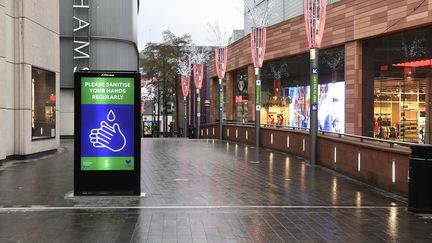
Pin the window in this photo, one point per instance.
(241, 96)
(396, 86)
(286, 91)
(43, 104)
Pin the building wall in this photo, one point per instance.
(348, 23)
(353, 87)
(113, 36)
(347, 20)
(281, 10)
(2, 75)
(29, 33)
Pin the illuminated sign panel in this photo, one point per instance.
(108, 129)
(107, 132)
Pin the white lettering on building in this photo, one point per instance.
(81, 38)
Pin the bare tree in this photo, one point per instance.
(159, 60)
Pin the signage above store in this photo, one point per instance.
(240, 99)
(420, 63)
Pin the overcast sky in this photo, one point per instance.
(186, 16)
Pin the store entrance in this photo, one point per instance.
(400, 108)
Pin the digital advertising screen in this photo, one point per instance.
(148, 128)
(107, 141)
(299, 106)
(107, 130)
(331, 107)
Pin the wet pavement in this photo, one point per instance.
(202, 191)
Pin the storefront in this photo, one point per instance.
(241, 96)
(43, 104)
(285, 91)
(396, 83)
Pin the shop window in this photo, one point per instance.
(241, 96)
(397, 71)
(286, 91)
(43, 104)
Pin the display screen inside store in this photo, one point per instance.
(292, 107)
(286, 91)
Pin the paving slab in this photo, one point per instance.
(202, 191)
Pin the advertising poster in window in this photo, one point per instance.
(148, 128)
(299, 106)
(331, 107)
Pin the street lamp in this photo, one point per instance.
(198, 70)
(184, 68)
(199, 57)
(314, 14)
(220, 39)
(221, 56)
(258, 46)
(185, 85)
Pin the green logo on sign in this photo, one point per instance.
(314, 89)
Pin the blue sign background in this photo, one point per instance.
(93, 115)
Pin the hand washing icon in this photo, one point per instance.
(107, 136)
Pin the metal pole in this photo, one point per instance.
(198, 112)
(313, 125)
(185, 125)
(257, 105)
(221, 108)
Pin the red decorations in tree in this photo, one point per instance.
(315, 15)
(258, 45)
(221, 56)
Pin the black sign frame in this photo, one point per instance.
(113, 182)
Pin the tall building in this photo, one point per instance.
(29, 77)
(94, 35)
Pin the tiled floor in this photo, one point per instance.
(202, 191)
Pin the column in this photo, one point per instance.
(428, 126)
(2, 79)
(214, 112)
(229, 91)
(251, 93)
(353, 88)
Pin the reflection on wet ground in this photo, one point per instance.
(203, 191)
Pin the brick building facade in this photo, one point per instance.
(349, 25)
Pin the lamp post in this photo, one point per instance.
(258, 46)
(185, 84)
(198, 70)
(314, 14)
(221, 56)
